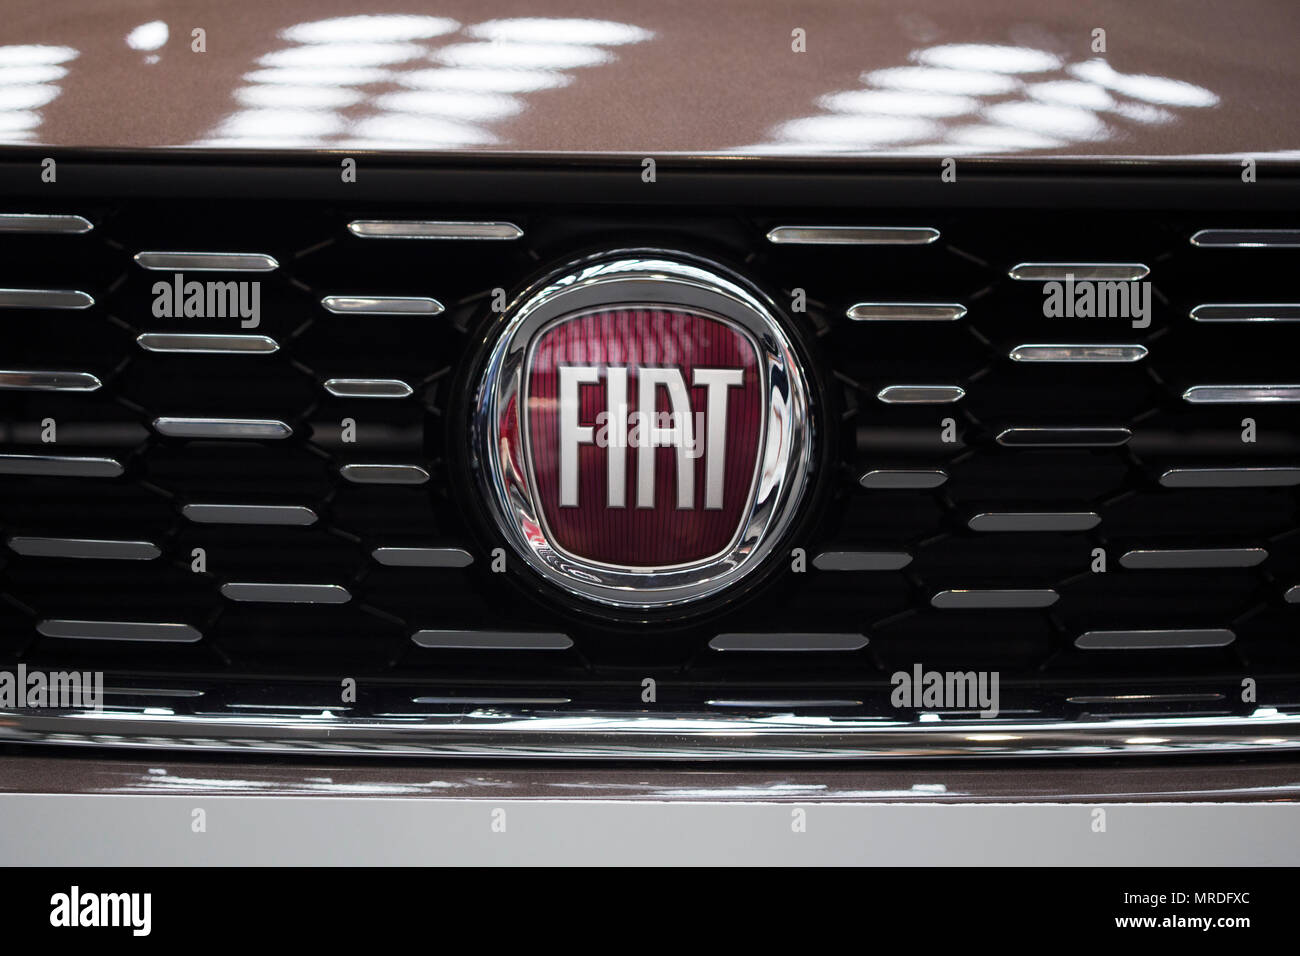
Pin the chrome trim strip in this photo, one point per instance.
(906, 312)
(1172, 638)
(42, 547)
(119, 631)
(206, 261)
(423, 557)
(921, 394)
(45, 299)
(492, 640)
(368, 388)
(887, 478)
(782, 704)
(1241, 394)
(1246, 238)
(1089, 354)
(151, 692)
(1078, 271)
(1034, 521)
(384, 474)
(45, 223)
(853, 235)
(1143, 698)
(209, 344)
(989, 598)
(1034, 437)
(296, 515)
(862, 560)
(50, 381)
(221, 428)
(431, 229)
(666, 736)
(494, 701)
(57, 466)
(1292, 595)
(789, 643)
(1246, 312)
(1195, 558)
(1230, 477)
(286, 593)
(380, 305)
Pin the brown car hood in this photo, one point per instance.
(932, 78)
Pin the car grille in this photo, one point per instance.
(982, 458)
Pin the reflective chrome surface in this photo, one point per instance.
(886, 478)
(996, 598)
(221, 428)
(407, 557)
(206, 261)
(921, 394)
(1247, 238)
(286, 593)
(403, 229)
(1090, 354)
(41, 547)
(384, 474)
(906, 312)
(44, 299)
(1247, 312)
(50, 381)
(119, 631)
(1035, 521)
(861, 560)
(44, 223)
(298, 515)
(209, 344)
(1245, 477)
(853, 235)
(380, 305)
(1079, 271)
(789, 643)
(368, 388)
(63, 466)
(1072, 437)
(1143, 640)
(1241, 394)
(492, 640)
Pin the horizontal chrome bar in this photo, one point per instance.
(44, 299)
(671, 735)
(368, 388)
(286, 593)
(1195, 558)
(45, 223)
(1084, 354)
(1247, 477)
(1246, 238)
(788, 643)
(151, 692)
(200, 342)
(206, 261)
(40, 547)
(221, 428)
(49, 381)
(1145, 640)
(1143, 698)
(1035, 521)
(920, 394)
(384, 474)
(782, 704)
(989, 598)
(1247, 312)
(885, 478)
(494, 701)
(906, 312)
(1241, 394)
(423, 557)
(380, 305)
(296, 515)
(853, 235)
(862, 560)
(492, 640)
(1103, 437)
(57, 466)
(1078, 271)
(119, 631)
(428, 229)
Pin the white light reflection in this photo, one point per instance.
(333, 85)
(29, 75)
(971, 98)
(148, 36)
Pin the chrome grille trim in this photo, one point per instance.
(296, 515)
(1030, 437)
(789, 643)
(1078, 271)
(45, 299)
(45, 223)
(862, 560)
(213, 344)
(886, 478)
(853, 235)
(384, 474)
(41, 547)
(368, 388)
(433, 229)
(50, 381)
(60, 466)
(1246, 238)
(1195, 558)
(1089, 354)
(1153, 639)
(989, 598)
(491, 640)
(1035, 521)
(286, 593)
(206, 261)
(1241, 394)
(1246, 312)
(221, 428)
(906, 312)
(1246, 477)
(380, 305)
(119, 631)
(423, 557)
(921, 394)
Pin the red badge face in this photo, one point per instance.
(643, 432)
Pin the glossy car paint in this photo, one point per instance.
(929, 78)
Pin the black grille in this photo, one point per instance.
(296, 654)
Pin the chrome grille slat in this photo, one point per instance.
(423, 557)
(1195, 558)
(33, 546)
(433, 229)
(1155, 639)
(384, 474)
(368, 388)
(61, 466)
(32, 381)
(989, 598)
(207, 343)
(286, 593)
(380, 305)
(1247, 238)
(149, 631)
(789, 643)
(1241, 394)
(1247, 312)
(295, 515)
(885, 478)
(862, 560)
(1078, 271)
(206, 261)
(1035, 521)
(45, 299)
(491, 640)
(853, 235)
(221, 428)
(920, 394)
(1084, 354)
(906, 312)
(45, 223)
